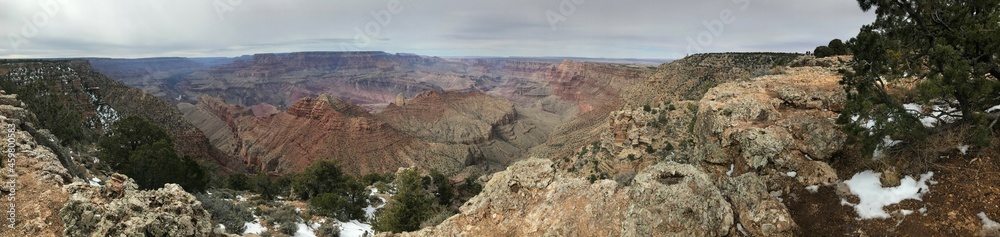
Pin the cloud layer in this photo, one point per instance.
(580, 28)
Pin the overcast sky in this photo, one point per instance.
(579, 28)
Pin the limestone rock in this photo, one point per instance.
(531, 199)
(119, 208)
(757, 211)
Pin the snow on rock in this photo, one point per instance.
(241, 198)
(730, 172)
(813, 188)
(791, 174)
(95, 182)
(990, 227)
(873, 197)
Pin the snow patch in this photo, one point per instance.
(923, 210)
(241, 198)
(873, 197)
(989, 226)
(254, 227)
(95, 182)
(791, 174)
(813, 188)
(304, 230)
(963, 149)
(730, 172)
(355, 228)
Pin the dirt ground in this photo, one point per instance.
(965, 187)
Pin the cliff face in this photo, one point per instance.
(443, 131)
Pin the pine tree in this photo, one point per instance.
(408, 208)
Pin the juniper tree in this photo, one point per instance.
(946, 49)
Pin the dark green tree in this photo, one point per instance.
(137, 148)
(949, 49)
(238, 182)
(824, 51)
(325, 179)
(261, 183)
(838, 47)
(408, 208)
(442, 186)
(321, 177)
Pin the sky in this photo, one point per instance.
(650, 29)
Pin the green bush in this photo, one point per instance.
(646, 108)
(229, 214)
(328, 229)
(238, 182)
(286, 217)
(330, 205)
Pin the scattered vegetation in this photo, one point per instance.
(227, 213)
(834, 48)
(53, 111)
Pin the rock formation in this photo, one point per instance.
(530, 198)
(118, 208)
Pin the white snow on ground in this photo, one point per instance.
(963, 148)
(730, 172)
(923, 210)
(95, 182)
(370, 210)
(873, 197)
(355, 228)
(254, 227)
(989, 226)
(304, 230)
(813, 188)
(241, 198)
(791, 174)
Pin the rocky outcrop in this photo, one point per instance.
(118, 208)
(770, 120)
(38, 175)
(531, 199)
(759, 213)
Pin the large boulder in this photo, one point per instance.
(759, 213)
(119, 208)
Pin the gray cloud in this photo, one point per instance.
(595, 28)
